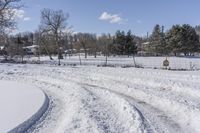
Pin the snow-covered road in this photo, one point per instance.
(117, 100)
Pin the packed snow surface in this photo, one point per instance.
(19, 102)
(93, 99)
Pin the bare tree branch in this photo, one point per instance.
(7, 13)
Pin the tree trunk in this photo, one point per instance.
(175, 54)
(85, 53)
(80, 58)
(58, 49)
(134, 60)
(50, 57)
(95, 53)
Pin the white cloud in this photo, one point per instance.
(19, 14)
(112, 18)
(27, 19)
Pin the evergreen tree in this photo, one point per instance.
(190, 40)
(183, 39)
(125, 43)
(130, 47)
(120, 42)
(157, 40)
(173, 38)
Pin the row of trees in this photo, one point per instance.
(54, 36)
(87, 43)
(54, 41)
(178, 39)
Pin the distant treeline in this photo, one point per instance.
(55, 37)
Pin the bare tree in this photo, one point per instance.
(93, 46)
(8, 10)
(82, 38)
(105, 41)
(87, 42)
(44, 41)
(55, 23)
(4, 42)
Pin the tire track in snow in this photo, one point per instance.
(163, 116)
(108, 117)
(102, 121)
(186, 96)
(145, 109)
(154, 120)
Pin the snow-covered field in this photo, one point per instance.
(19, 103)
(146, 62)
(90, 99)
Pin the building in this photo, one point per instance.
(30, 50)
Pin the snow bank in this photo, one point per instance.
(21, 105)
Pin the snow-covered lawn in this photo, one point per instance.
(90, 99)
(19, 103)
(146, 62)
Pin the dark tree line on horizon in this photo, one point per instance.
(178, 39)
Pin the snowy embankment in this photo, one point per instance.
(21, 106)
(146, 62)
(120, 100)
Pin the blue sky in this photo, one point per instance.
(107, 16)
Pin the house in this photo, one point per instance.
(143, 48)
(2, 50)
(70, 51)
(30, 50)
